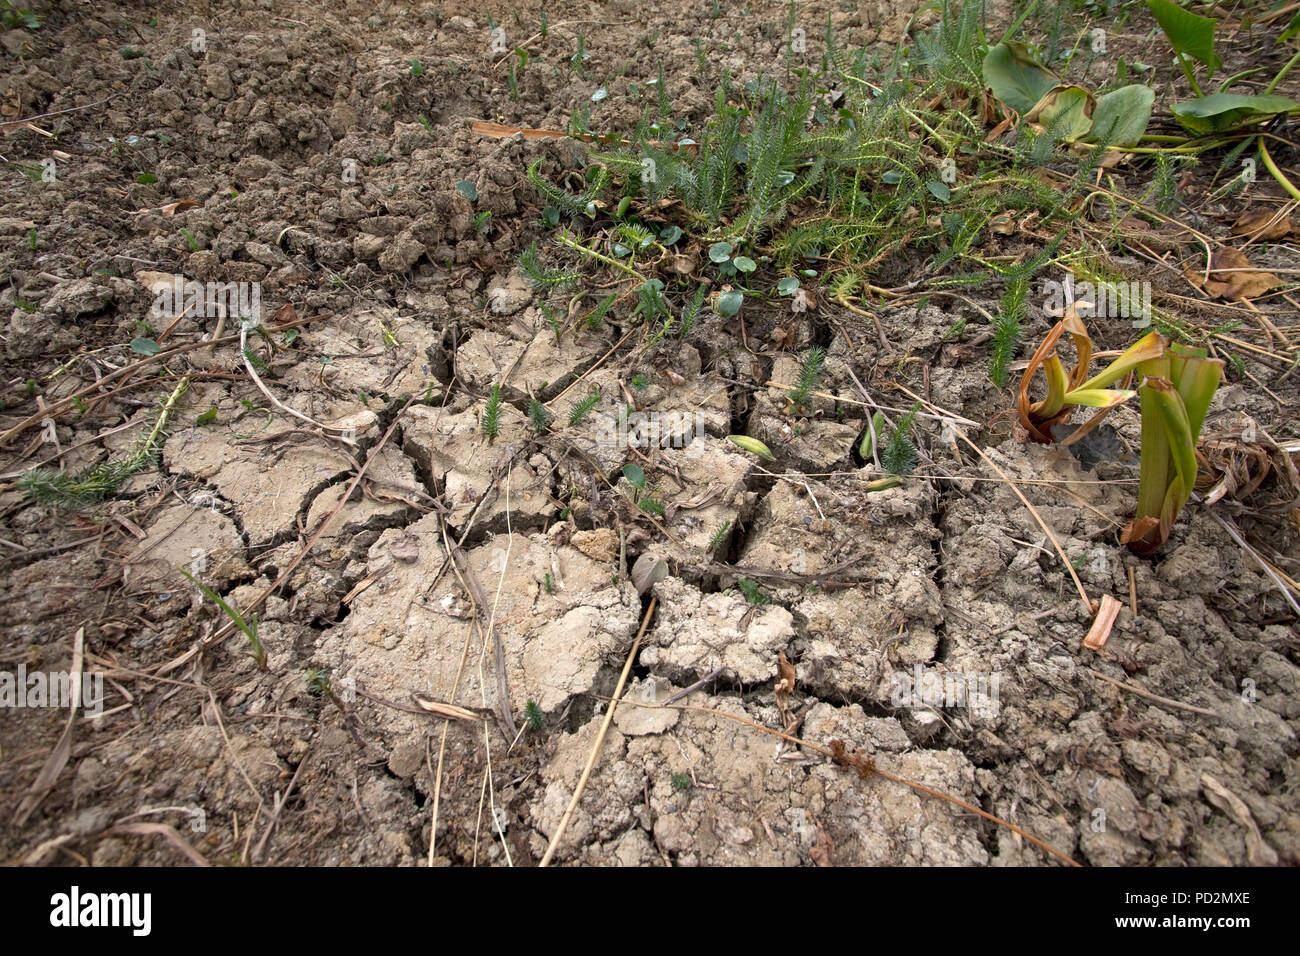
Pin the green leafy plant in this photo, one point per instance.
(1191, 36)
(636, 478)
(1071, 113)
(751, 591)
(1176, 393)
(681, 782)
(13, 17)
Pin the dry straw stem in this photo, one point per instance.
(1101, 627)
(455, 686)
(1154, 698)
(58, 758)
(1268, 568)
(600, 737)
(252, 373)
(865, 766)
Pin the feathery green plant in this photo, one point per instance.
(718, 537)
(597, 315)
(1006, 331)
(570, 203)
(98, 481)
(810, 371)
(540, 276)
(491, 420)
(691, 313)
(898, 455)
(580, 410)
(533, 715)
(538, 416)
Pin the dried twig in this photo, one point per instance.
(600, 737)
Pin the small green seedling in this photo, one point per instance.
(538, 416)
(491, 420)
(809, 372)
(258, 652)
(533, 715)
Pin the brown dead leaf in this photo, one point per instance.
(1158, 240)
(782, 338)
(442, 709)
(1247, 283)
(683, 265)
(787, 675)
(171, 208)
(822, 849)
(1264, 225)
(498, 131)
(1102, 625)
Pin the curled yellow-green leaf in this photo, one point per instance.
(752, 445)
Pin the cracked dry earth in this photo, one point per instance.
(409, 313)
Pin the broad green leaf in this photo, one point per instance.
(744, 263)
(634, 475)
(720, 251)
(145, 346)
(1187, 33)
(1066, 111)
(788, 286)
(1224, 111)
(729, 303)
(1016, 78)
(1121, 116)
(468, 190)
(939, 190)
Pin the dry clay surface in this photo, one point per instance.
(495, 575)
